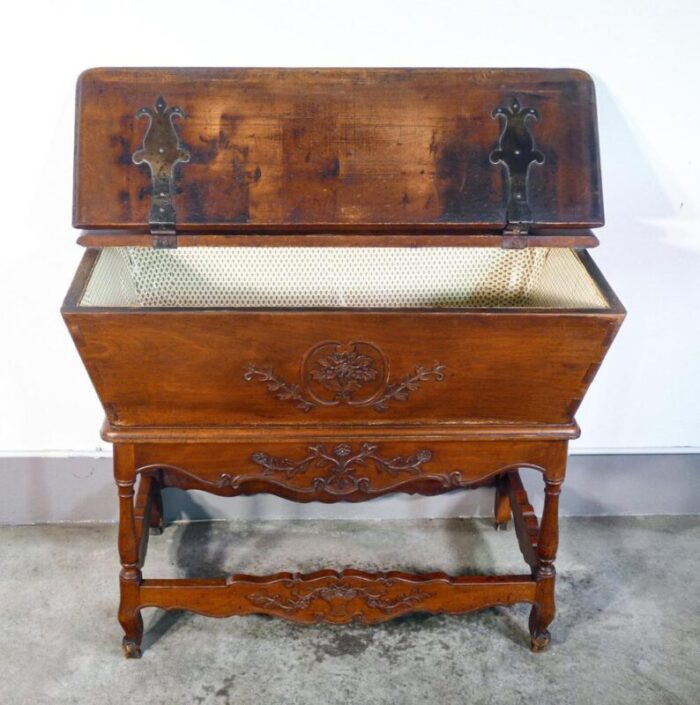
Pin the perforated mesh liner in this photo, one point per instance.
(362, 277)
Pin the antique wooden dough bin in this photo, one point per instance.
(331, 285)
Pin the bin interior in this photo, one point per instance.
(340, 277)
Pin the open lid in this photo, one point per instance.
(324, 150)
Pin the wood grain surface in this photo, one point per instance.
(313, 149)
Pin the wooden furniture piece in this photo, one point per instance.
(331, 285)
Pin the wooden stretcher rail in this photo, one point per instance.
(337, 597)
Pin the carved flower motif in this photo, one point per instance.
(342, 450)
(424, 456)
(344, 371)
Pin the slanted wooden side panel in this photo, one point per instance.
(303, 150)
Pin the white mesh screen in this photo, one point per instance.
(363, 277)
(565, 283)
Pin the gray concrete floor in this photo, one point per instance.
(628, 628)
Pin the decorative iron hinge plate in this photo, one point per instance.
(515, 236)
(516, 151)
(161, 151)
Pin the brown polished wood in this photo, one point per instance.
(546, 238)
(227, 400)
(521, 365)
(474, 431)
(338, 597)
(350, 472)
(326, 149)
(341, 469)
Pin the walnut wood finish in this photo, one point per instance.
(546, 238)
(337, 597)
(501, 505)
(337, 468)
(131, 551)
(330, 596)
(514, 365)
(327, 149)
(475, 431)
(489, 374)
(524, 518)
(239, 401)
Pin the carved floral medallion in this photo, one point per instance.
(333, 373)
(344, 374)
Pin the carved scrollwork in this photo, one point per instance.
(339, 466)
(337, 483)
(332, 373)
(338, 600)
(278, 387)
(410, 383)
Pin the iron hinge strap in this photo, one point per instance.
(163, 239)
(516, 152)
(162, 151)
(515, 236)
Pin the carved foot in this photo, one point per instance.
(541, 617)
(130, 648)
(501, 525)
(539, 642)
(156, 530)
(132, 624)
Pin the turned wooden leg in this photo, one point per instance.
(543, 610)
(156, 518)
(130, 576)
(501, 509)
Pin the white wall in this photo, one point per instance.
(644, 57)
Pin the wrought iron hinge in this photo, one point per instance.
(516, 151)
(161, 151)
(164, 239)
(515, 236)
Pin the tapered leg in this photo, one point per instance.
(501, 507)
(130, 576)
(544, 609)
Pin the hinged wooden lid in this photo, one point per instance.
(319, 150)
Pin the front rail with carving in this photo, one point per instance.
(345, 471)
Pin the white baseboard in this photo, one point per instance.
(79, 488)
